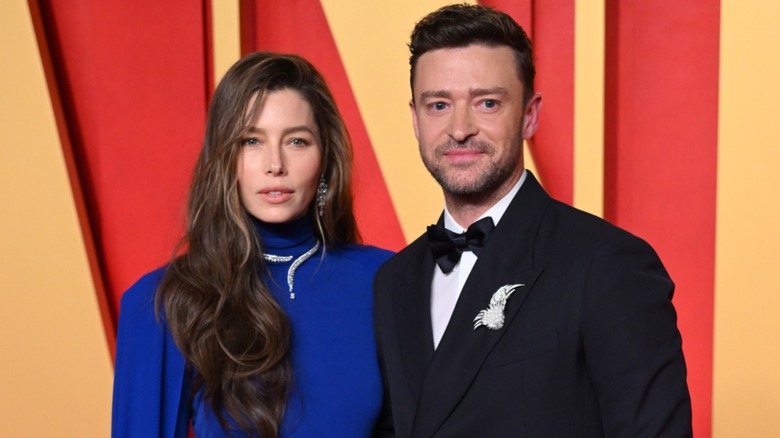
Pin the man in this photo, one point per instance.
(552, 324)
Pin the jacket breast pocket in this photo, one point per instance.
(509, 351)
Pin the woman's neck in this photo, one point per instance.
(287, 235)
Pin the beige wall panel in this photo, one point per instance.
(746, 388)
(227, 36)
(55, 371)
(589, 24)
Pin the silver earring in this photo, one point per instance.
(322, 190)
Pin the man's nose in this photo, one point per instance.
(462, 124)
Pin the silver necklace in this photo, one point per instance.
(271, 258)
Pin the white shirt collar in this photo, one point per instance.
(495, 212)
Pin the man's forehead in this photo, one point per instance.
(471, 67)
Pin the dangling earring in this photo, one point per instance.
(322, 190)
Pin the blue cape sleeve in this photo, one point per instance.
(150, 384)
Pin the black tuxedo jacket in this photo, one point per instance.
(589, 347)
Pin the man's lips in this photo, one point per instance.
(459, 155)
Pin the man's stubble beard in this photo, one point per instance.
(488, 178)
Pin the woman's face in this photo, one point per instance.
(279, 161)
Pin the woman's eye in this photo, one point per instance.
(299, 142)
(249, 142)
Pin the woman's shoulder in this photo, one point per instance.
(367, 256)
(149, 377)
(139, 298)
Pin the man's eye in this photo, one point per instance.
(438, 106)
(489, 103)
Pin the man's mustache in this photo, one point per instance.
(470, 145)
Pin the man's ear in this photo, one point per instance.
(414, 120)
(531, 116)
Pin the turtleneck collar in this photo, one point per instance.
(289, 238)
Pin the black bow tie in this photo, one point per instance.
(447, 246)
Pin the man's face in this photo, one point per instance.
(470, 120)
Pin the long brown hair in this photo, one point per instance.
(214, 297)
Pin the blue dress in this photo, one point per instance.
(337, 390)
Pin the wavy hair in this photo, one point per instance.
(214, 297)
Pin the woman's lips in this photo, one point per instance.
(276, 195)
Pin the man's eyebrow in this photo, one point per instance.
(435, 94)
(473, 92)
(476, 92)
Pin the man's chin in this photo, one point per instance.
(463, 187)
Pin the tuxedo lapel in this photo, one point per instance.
(507, 259)
(413, 316)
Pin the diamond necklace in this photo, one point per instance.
(271, 258)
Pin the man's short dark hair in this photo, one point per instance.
(461, 25)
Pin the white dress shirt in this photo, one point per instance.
(446, 288)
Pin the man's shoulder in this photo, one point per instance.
(576, 225)
(412, 253)
(573, 216)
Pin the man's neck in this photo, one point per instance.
(466, 209)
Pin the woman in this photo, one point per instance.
(263, 325)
